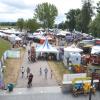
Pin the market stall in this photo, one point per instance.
(95, 55)
(72, 54)
(47, 51)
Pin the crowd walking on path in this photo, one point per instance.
(42, 73)
(29, 75)
(46, 73)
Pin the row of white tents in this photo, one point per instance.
(71, 52)
(11, 37)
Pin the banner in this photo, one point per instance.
(13, 54)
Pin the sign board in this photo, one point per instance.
(97, 42)
(68, 78)
(13, 54)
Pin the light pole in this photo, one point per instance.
(92, 77)
(90, 93)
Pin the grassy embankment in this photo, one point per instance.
(58, 70)
(13, 68)
(4, 45)
(12, 65)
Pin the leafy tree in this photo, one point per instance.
(94, 26)
(8, 23)
(86, 14)
(63, 25)
(31, 25)
(46, 13)
(71, 17)
(78, 22)
(20, 23)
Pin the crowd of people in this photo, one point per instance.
(30, 76)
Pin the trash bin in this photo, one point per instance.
(10, 87)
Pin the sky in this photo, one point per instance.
(11, 10)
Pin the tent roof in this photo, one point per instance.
(73, 49)
(95, 49)
(18, 39)
(46, 47)
(12, 35)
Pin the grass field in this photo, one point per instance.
(4, 45)
(12, 69)
(58, 70)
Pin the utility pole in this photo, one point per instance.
(90, 94)
(93, 72)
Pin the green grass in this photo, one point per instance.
(4, 45)
(59, 67)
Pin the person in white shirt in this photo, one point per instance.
(22, 71)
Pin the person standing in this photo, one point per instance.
(46, 72)
(28, 71)
(22, 71)
(40, 71)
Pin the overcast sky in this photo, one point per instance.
(11, 10)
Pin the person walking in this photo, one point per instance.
(46, 72)
(30, 78)
(40, 71)
(22, 71)
(28, 71)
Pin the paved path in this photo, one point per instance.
(43, 93)
(38, 81)
(33, 90)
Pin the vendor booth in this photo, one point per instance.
(71, 80)
(72, 54)
(86, 45)
(95, 55)
(47, 51)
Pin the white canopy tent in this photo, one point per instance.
(17, 38)
(72, 49)
(12, 31)
(38, 33)
(95, 49)
(73, 54)
(3, 34)
(62, 33)
(12, 37)
(47, 48)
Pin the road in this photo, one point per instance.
(43, 93)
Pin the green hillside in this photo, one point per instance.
(4, 45)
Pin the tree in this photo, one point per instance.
(86, 14)
(46, 13)
(71, 17)
(94, 26)
(63, 25)
(31, 25)
(79, 23)
(20, 23)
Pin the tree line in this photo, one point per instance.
(44, 16)
(82, 19)
(7, 23)
(76, 19)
